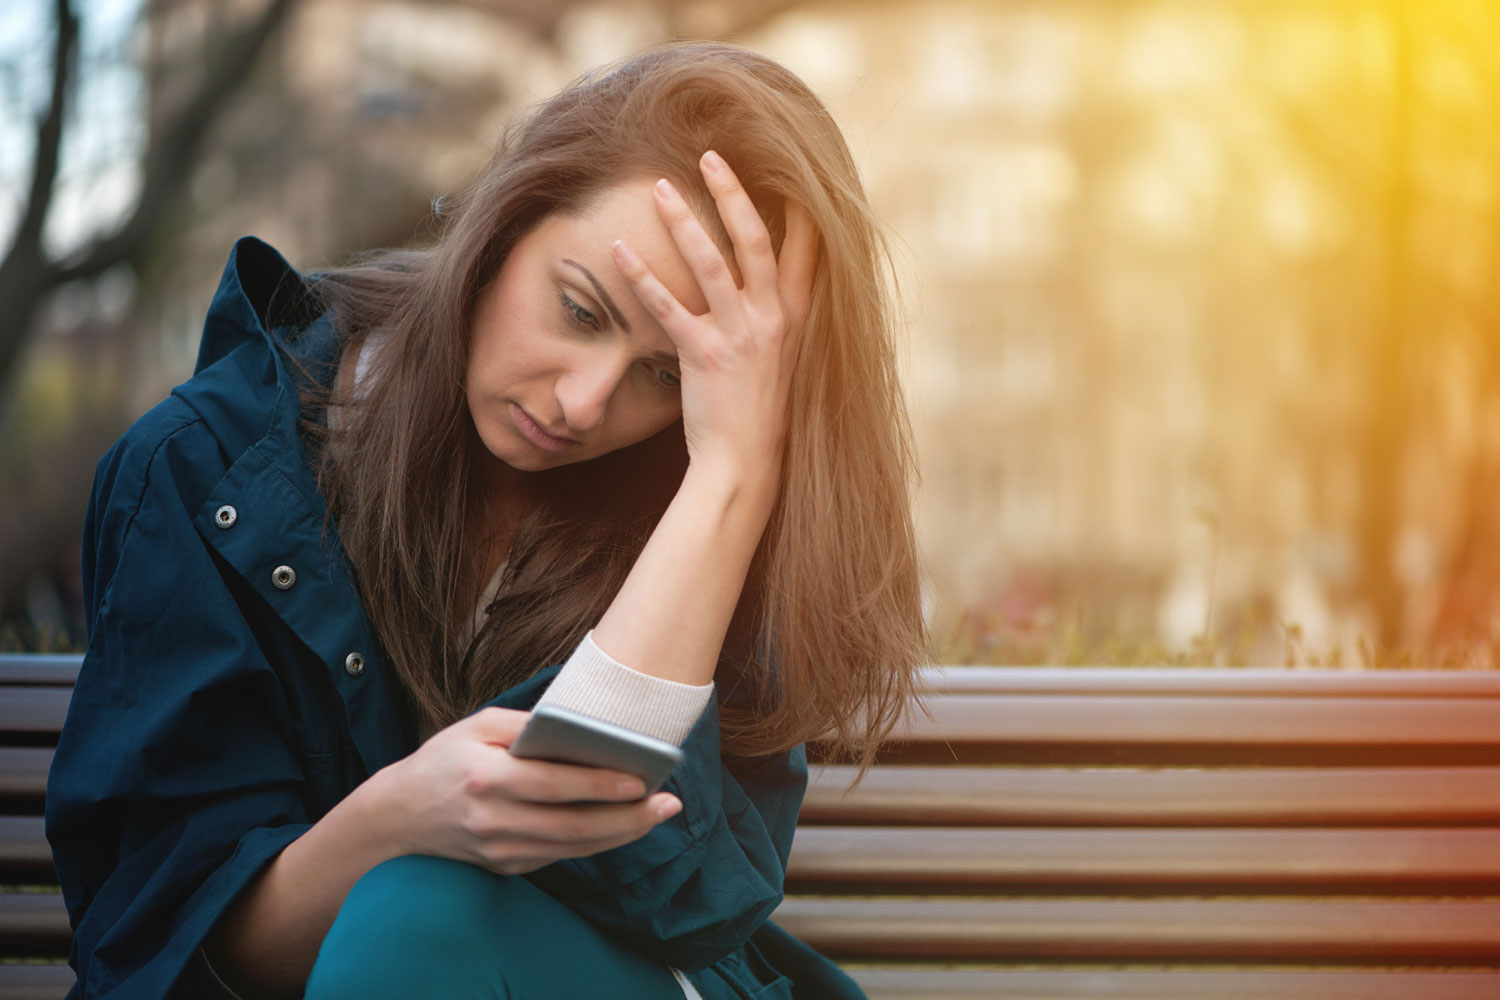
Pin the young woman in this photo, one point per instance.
(625, 438)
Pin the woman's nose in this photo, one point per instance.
(584, 392)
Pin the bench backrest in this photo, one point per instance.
(1074, 832)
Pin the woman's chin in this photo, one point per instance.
(522, 456)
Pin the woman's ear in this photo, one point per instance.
(797, 264)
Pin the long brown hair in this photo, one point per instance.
(828, 633)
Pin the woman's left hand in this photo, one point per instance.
(736, 359)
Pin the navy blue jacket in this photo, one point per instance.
(218, 714)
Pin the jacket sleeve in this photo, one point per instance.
(176, 776)
(699, 884)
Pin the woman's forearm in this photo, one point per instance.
(266, 942)
(670, 617)
(459, 795)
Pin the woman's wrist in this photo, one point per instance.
(670, 617)
(378, 811)
(739, 492)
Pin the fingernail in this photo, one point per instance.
(669, 808)
(623, 253)
(665, 189)
(712, 160)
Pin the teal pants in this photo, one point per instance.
(418, 927)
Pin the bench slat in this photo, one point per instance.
(24, 850)
(34, 981)
(1000, 796)
(34, 923)
(1010, 796)
(1029, 861)
(1187, 984)
(1104, 729)
(39, 668)
(23, 772)
(1111, 719)
(1452, 933)
(1219, 681)
(52, 982)
(1095, 719)
(38, 709)
(874, 858)
(1407, 933)
(62, 668)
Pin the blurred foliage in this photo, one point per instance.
(1207, 294)
(983, 640)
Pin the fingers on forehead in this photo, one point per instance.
(753, 250)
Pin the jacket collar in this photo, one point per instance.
(258, 293)
(248, 396)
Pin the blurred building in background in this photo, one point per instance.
(1201, 297)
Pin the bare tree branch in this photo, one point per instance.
(49, 132)
(170, 160)
(26, 274)
(25, 268)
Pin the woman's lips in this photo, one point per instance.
(536, 435)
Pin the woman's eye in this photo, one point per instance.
(668, 379)
(579, 314)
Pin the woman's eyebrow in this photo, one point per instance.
(609, 303)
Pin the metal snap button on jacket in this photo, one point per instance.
(354, 664)
(225, 516)
(282, 577)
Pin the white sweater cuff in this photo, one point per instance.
(593, 684)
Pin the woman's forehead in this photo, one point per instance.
(626, 211)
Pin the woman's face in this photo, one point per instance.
(564, 363)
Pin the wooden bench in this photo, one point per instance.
(1073, 833)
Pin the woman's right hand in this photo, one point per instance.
(736, 359)
(461, 795)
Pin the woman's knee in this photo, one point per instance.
(417, 926)
(414, 926)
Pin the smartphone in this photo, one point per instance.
(557, 734)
